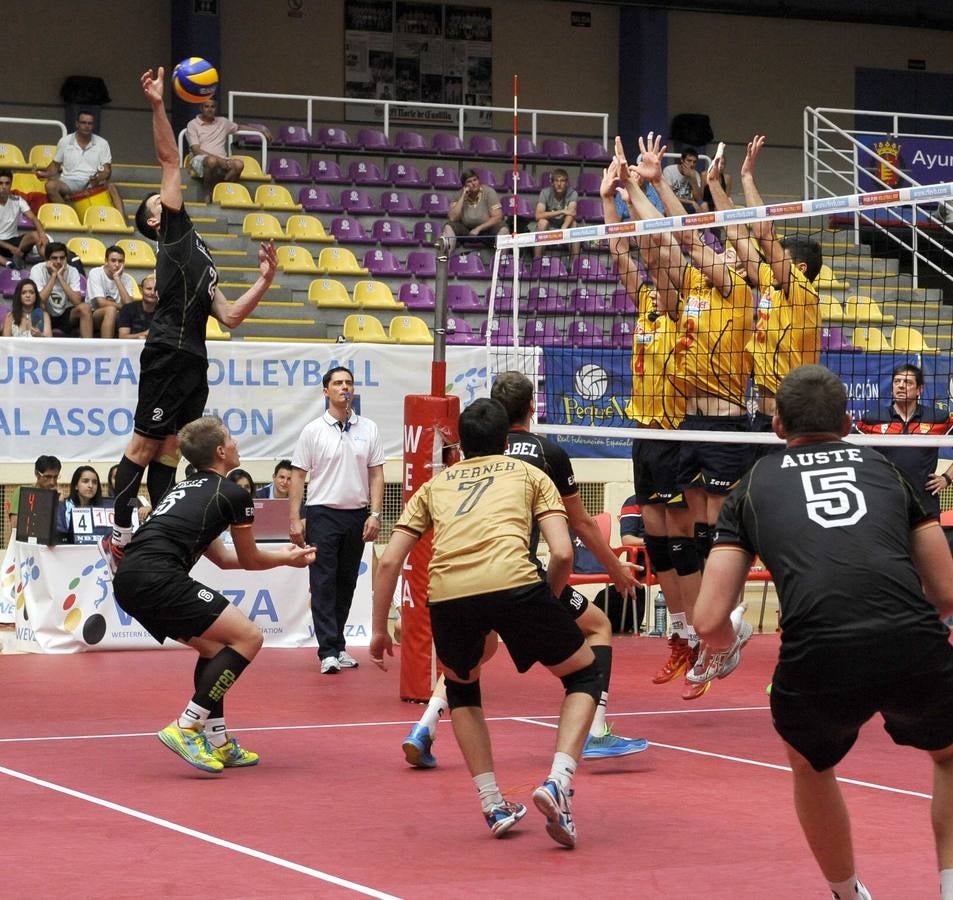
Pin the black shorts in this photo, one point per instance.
(63, 322)
(761, 424)
(655, 472)
(173, 388)
(15, 240)
(716, 468)
(167, 605)
(576, 604)
(822, 726)
(532, 623)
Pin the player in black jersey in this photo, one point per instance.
(515, 391)
(173, 378)
(152, 584)
(864, 576)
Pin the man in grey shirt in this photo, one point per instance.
(685, 180)
(556, 208)
(476, 211)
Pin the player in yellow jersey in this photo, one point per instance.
(482, 579)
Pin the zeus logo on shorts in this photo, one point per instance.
(205, 595)
(157, 414)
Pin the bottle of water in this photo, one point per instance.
(660, 627)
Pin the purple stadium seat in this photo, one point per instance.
(555, 149)
(422, 263)
(446, 144)
(335, 139)
(442, 177)
(589, 183)
(326, 171)
(522, 207)
(548, 268)
(404, 175)
(434, 205)
(366, 173)
(506, 266)
(590, 268)
(397, 203)
(426, 232)
(459, 332)
(504, 297)
(416, 295)
(587, 301)
(622, 303)
(526, 183)
(486, 177)
(546, 179)
(467, 265)
(373, 139)
(833, 338)
(486, 146)
(462, 298)
(410, 142)
(357, 201)
(382, 262)
(251, 140)
(286, 168)
(592, 151)
(589, 209)
(318, 200)
(582, 333)
(23, 223)
(542, 333)
(547, 301)
(350, 231)
(501, 331)
(9, 279)
(391, 233)
(621, 337)
(294, 136)
(525, 148)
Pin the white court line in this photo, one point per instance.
(755, 762)
(208, 838)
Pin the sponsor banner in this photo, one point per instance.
(63, 602)
(79, 397)
(925, 160)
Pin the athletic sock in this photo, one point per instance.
(692, 636)
(435, 709)
(486, 786)
(946, 884)
(193, 716)
(564, 767)
(679, 625)
(159, 479)
(603, 655)
(851, 889)
(128, 479)
(221, 672)
(217, 710)
(216, 732)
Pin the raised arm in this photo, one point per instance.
(167, 153)
(745, 247)
(775, 255)
(232, 314)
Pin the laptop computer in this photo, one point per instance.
(271, 520)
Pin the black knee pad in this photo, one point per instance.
(656, 548)
(460, 694)
(684, 555)
(703, 538)
(583, 681)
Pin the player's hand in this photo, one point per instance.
(715, 169)
(296, 532)
(267, 260)
(372, 527)
(381, 643)
(649, 167)
(754, 148)
(935, 484)
(610, 178)
(620, 154)
(153, 87)
(300, 557)
(625, 579)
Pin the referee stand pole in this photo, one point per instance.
(430, 444)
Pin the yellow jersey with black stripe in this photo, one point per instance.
(788, 328)
(714, 333)
(656, 399)
(482, 512)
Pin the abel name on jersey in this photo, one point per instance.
(821, 457)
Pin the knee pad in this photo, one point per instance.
(703, 538)
(460, 694)
(583, 681)
(656, 549)
(684, 555)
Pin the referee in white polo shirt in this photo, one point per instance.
(343, 455)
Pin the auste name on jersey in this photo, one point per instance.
(821, 457)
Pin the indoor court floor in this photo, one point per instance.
(93, 805)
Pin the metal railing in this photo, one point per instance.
(51, 123)
(836, 161)
(264, 146)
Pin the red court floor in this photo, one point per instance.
(94, 806)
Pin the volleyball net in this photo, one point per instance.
(621, 323)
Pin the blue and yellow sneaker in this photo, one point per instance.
(608, 745)
(417, 746)
(554, 803)
(233, 756)
(503, 817)
(192, 746)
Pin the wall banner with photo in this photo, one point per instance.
(419, 53)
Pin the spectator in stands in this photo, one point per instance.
(556, 208)
(82, 160)
(108, 289)
(47, 472)
(27, 318)
(243, 479)
(85, 491)
(207, 135)
(685, 181)
(136, 317)
(14, 244)
(61, 293)
(280, 483)
(476, 212)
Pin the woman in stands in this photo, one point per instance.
(27, 319)
(85, 490)
(242, 479)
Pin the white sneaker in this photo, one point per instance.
(330, 665)
(346, 661)
(722, 663)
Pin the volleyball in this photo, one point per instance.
(591, 382)
(194, 79)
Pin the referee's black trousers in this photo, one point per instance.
(338, 536)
